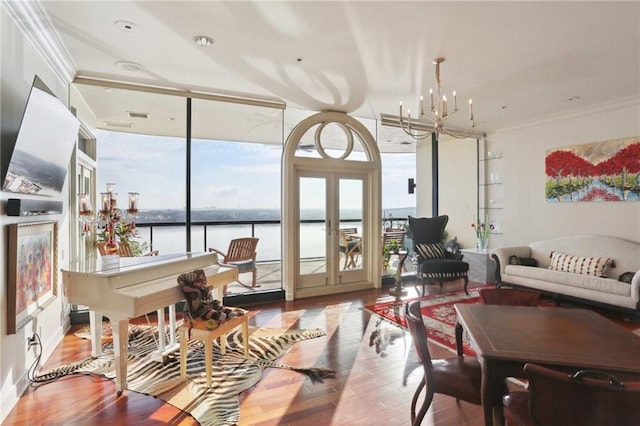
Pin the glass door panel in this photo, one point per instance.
(312, 230)
(351, 231)
(330, 234)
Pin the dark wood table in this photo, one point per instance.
(507, 337)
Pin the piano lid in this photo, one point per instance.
(132, 264)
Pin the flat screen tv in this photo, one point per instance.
(43, 147)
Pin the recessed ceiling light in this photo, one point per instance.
(125, 26)
(203, 41)
(128, 66)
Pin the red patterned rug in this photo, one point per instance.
(439, 315)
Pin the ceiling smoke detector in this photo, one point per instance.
(126, 26)
(203, 41)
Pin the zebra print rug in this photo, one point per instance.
(231, 373)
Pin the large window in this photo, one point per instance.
(230, 186)
(153, 166)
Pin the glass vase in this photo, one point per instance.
(482, 244)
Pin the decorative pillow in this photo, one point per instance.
(524, 261)
(594, 266)
(431, 250)
(627, 277)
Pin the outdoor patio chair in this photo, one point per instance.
(124, 249)
(350, 246)
(241, 254)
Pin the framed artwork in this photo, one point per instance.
(602, 171)
(33, 249)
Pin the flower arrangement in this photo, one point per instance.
(125, 232)
(483, 229)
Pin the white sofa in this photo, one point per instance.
(606, 291)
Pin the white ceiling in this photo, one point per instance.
(521, 62)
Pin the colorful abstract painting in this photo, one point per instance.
(603, 171)
(32, 271)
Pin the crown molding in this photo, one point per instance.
(35, 24)
(628, 102)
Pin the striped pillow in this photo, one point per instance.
(595, 266)
(431, 250)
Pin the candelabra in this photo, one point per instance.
(109, 215)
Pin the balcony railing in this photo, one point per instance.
(170, 237)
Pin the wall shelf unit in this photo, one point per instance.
(490, 189)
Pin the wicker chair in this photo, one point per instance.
(241, 254)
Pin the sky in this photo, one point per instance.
(224, 174)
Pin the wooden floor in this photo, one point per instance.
(368, 388)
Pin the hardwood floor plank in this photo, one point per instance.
(368, 387)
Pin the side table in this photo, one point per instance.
(398, 290)
(482, 269)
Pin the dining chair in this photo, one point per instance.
(509, 296)
(586, 398)
(241, 253)
(500, 296)
(458, 376)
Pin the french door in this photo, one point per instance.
(332, 233)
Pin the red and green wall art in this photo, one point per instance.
(602, 171)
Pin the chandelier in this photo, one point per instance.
(432, 120)
(110, 216)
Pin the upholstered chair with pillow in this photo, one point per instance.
(435, 264)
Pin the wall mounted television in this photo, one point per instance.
(43, 147)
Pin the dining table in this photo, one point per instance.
(505, 338)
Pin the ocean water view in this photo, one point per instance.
(167, 238)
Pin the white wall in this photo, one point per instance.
(458, 180)
(20, 62)
(423, 178)
(526, 215)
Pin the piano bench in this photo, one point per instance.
(200, 332)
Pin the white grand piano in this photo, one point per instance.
(135, 287)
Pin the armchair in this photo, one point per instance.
(435, 264)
